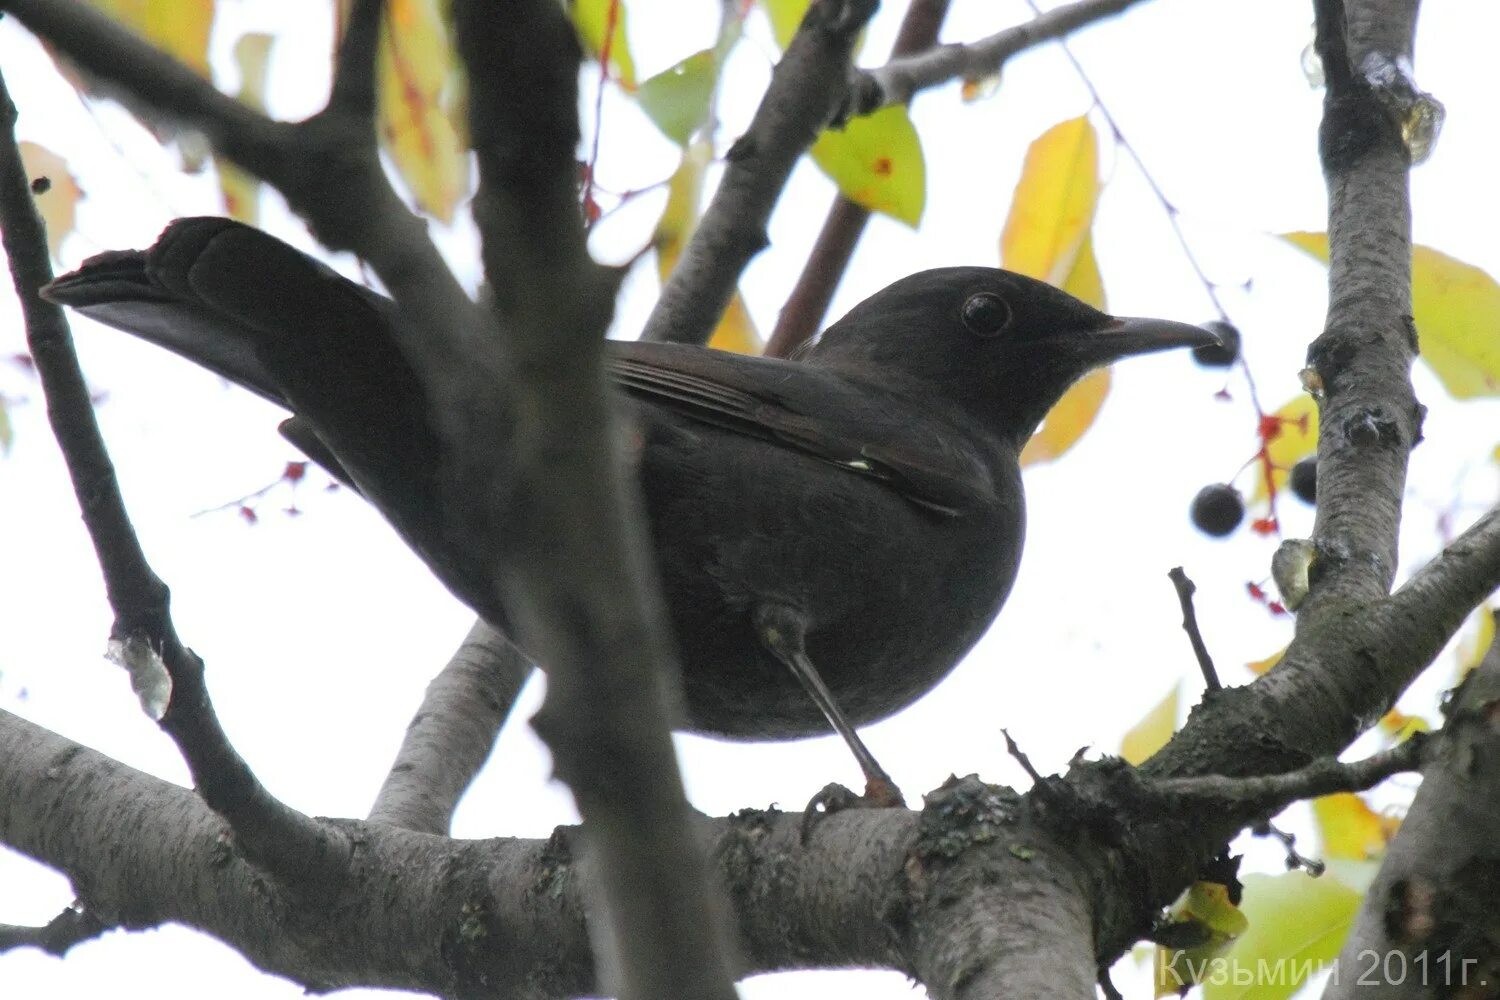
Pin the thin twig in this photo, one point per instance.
(1274, 791)
(272, 835)
(1185, 590)
(72, 926)
(1015, 751)
(898, 80)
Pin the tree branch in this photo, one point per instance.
(453, 732)
(168, 675)
(1369, 418)
(354, 92)
(805, 91)
(326, 167)
(1432, 901)
(1270, 793)
(72, 926)
(576, 574)
(898, 80)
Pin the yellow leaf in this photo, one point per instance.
(735, 332)
(252, 54)
(417, 75)
(1047, 236)
(1296, 438)
(57, 199)
(876, 160)
(1295, 924)
(1349, 828)
(1477, 640)
(1456, 307)
(1258, 667)
(1068, 419)
(1207, 905)
(1151, 734)
(1053, 207)
(1084, 280)
(178, 27)
(596, 19)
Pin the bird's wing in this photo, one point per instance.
(812, 410)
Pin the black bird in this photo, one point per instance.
(844, 525)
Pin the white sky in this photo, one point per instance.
(321, 631)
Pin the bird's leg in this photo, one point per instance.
(783, 632)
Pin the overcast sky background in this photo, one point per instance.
(320, 631)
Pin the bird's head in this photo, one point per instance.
(1002, 346)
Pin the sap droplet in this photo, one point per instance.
(148, 673)
(1312, 66)
(1418, 113)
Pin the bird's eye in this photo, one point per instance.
(986, 314)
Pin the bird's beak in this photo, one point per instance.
(1124, 336)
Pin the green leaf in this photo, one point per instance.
(785, 17)
(877, 162)
(1297, 925)
(677, 98)
(1456, 307)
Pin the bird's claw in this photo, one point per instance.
(880, 793)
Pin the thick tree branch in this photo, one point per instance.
(1433, 900)
(898, 80)
(167, 674)
(806, 306)
(451, 736)
(576, 576)
(804, 93)
(1369, 418)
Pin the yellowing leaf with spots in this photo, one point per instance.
(178, 27)
(1295, 923)
(418, 76)
(598, 20)
(1350, 829)
(252, 55)
(735, 332)
(1456, 307)
(876, 160)
(1151, 734)
(55, 192)
(1295, 438)
(1047, 236)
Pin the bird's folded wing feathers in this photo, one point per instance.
(812, 410)
(260, 313)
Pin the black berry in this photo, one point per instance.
(1223, 354)
(1218, 509)
(1304, 479)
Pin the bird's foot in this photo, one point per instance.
(880, 793)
